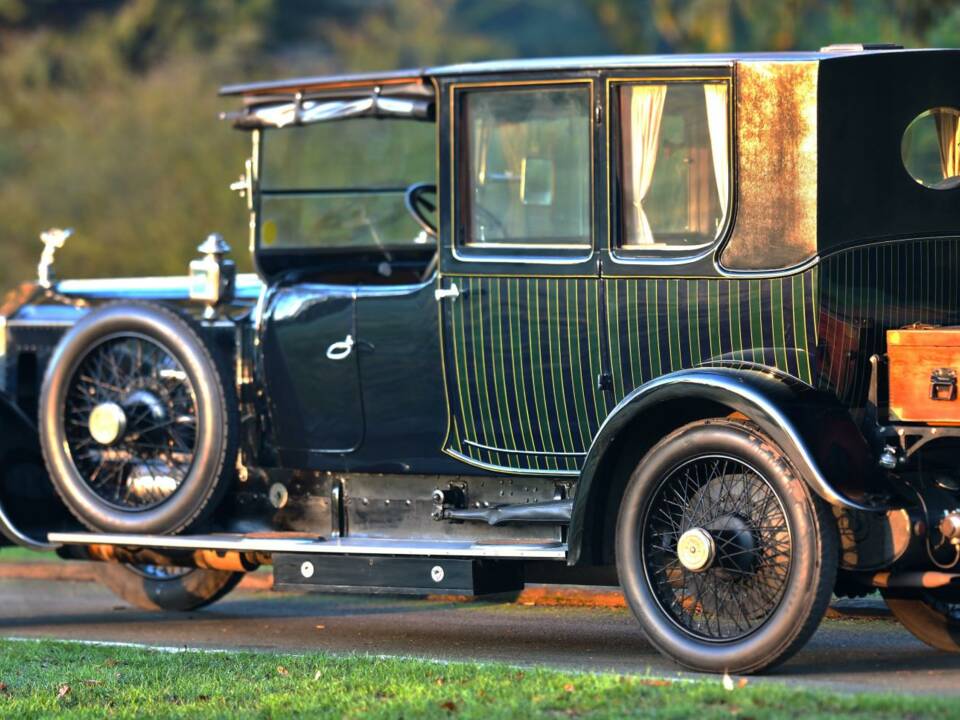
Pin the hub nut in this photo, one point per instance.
(107, 423)
(696, 550)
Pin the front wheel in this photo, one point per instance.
(151, 587)
(725, 557)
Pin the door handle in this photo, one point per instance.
(452, 292)
(341, 349)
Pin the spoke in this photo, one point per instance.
(746, 518)
(158, 400)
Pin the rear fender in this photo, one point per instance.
(817, 434)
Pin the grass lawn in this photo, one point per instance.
(72, 680)
(19, 554)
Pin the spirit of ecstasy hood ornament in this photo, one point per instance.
(52, 239)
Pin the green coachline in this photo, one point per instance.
(46, 678)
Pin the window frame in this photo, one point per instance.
(463, 251)
(653, 257)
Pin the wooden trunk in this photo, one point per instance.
(924, 364)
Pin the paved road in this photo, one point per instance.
(844, 654)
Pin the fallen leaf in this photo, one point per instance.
(439, 680)
(318, 674)
(449, 706)
(93, 682)
(568, 687)
(281, 670)
(110, 662)
(656, 682)
(742, 683)
(4, 690)
(727, 682)
(63, 691)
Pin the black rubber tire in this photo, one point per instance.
(930, 621)
(195, 589)
(214, 463)
(814, 551)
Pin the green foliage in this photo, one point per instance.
(69, 680)
(108, 120)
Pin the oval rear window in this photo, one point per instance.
(931, 148)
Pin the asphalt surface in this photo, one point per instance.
(847, 654)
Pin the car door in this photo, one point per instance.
(667, 303)
(311, 370)
(330, 226)
(521, 309)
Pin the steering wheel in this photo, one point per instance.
(419, 206)
(493, 219)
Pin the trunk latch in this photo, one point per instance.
(943, 384)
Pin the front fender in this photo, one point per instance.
(20, 458)
(817, 434)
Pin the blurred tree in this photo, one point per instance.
(108, 115)
(405, 34)
(718, 25)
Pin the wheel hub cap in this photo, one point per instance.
(107, 423)
(696, 550)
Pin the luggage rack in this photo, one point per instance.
(277, 543)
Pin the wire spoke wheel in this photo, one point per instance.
(152, 587)
(159, 572)
(727, 512)
(724, 554)
(130, 422)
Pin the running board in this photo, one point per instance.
(313, 546)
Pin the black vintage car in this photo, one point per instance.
(593, 320)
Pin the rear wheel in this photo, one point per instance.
(151, 587)
(930, 619)
(725, 556)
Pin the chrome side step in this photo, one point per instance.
(313, 546)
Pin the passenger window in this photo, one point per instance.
(528, 167)
(673, 164)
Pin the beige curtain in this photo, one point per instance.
(716, 99)
(645, 104)
(948, 132)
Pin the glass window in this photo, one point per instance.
(528, 167)
(931, 148)
(674, 165)
(340, 185)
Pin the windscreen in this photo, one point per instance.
(340, 185)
